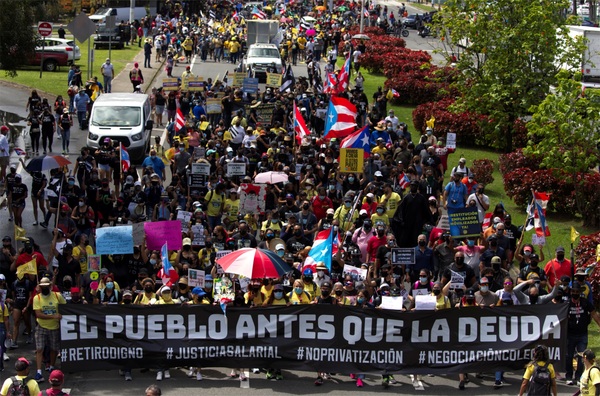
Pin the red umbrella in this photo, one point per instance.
(254, 263)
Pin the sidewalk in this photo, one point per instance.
(121, 82)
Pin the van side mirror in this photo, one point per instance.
(113, 11)
(149, 125)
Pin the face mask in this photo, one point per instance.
(560, 257)
(298, 290)
(496, 267)
(484, 289)
(81, 204)
(351, 179)
(280, 253)
(275, 221)
(575, 296)
(422, 243)
(153, 156)
(208, 285)
(298, 233)
(534, 263)
(308, 188)
(153, 261)
(71, 183)
(338, 292)
(360, 300)
(278, 295)
(67, 284)
(470, 243)
(45, 291)
(347, 204)
(321, 196)
(533, 299)
(306, 206)
(270, 236)
(167, 297)
(500, 232)
(320, 274)
(325, 293)
(493, 243)
(527, 253)
(423, 279)
(379, 211)
(95, 177)
(380, 233)
(148, 289)
(331, 187)
(459, 261)
(110, 285)
(125, 300)
(436, 292)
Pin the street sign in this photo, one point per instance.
(82, 27)
(45, 29)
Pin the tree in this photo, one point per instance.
(563, 132)
(17, 38)
(511, 52)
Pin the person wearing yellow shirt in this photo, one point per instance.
(277, 297)
(254, 297)
(302, 46)
(232, 206)
(272, 223)
(148, 295)
(82, 251)
(541, 359)
(590, 379)
(380, 148)
(22, 366)
(380, 217)
(298, 296)
(342, 215)
(390, 200)
(215, 200)
(234, 49)
(188, 46)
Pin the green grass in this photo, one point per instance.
(55, 83)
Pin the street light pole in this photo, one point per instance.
(362, 14)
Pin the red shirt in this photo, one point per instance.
(320, 206)
(374, 243)
(24, 258)
(556, 270)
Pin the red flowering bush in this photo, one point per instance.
(516, 159)
(465, 124)
(483, 170)
(585, 256)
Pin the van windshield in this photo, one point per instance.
(117, 116)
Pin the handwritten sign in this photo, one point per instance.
(213, 106)
(404, 256)
(235, 169)
(392, 302)
(538, 240)
(195, 278)
(138, 233)
(184, 217)
(425, 303)
(273, 80)
(419, 292)
(443, 223)
(352, 160)
(451, 140)
(199, 237)
(159, 232)
(170, 84)
(114, 240)
(238, 79)
(221, 253)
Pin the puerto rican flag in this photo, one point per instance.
(366, 13)
(179, 120)
(19, 151)
(344, 76)
(300, 129)
(341, 118)
(323, 248)
(125, 161)
(235, 16)
(330, 83)
(258, 14)
(358, 140)
(395, 93)
(403, 181)
(539, 213)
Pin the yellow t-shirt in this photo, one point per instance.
(257, 300)
(267, 292)
(34, 388)
(204, 256)
(441, 302)
(382, 151)
(227, 136)
(531, 367)
(296, 299)
(313, 289)
(392, 204)
(375, 218)
(214, 202)
(342, 214)
(269, 224)
(232, 207)
(590, 380)
(5, 313)
(48, 305)
(82, 256)
(143, 299)
(281, 301)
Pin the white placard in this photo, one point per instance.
(425, 303)
(200, 169)
(220, 254)
(538, 240)
(199, 237)
(195, 278)
(235, 169)
(457, 280)
(357, 274)
(420, 292)
(451, 140)
(244, 283)
(392, 302)
(184, 217)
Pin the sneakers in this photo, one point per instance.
(255, 371)
(198, 376)
(242, 377)
(5, 357)
(319, 381)
(461, 386)
(359, 383)
(39, 377)
(159, 376)
(279, 377)
(190, 373)
(385, 382)
(352, 376)
(570, 382)
(269, 374)
(392, 380)
(233, 374)
(13, 345)
(497, 384)
(167, 374)
(35, 223)
(128, 376)
(44, 224)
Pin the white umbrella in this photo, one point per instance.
(271, 177)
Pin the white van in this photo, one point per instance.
(120, 13)
(123, 117)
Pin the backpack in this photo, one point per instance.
(18, 387)
(540, 381)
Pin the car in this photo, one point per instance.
(109, 37)
(262, 59)
(52, 59)
(410, 21)
(61, 45)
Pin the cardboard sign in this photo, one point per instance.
(250, 85)
(464, 222)
(199, 175)
(443, 223)
(195, 84)
(236, 169)
(538, 240)
(357, 274)
(351, 160)
(170, 84)
(195, 278)
(451, 140)
(213, 106)
(273, 80)
(138, 233)
(238, 79)
(159, 232)
(425, 303)
(252, 198)
(94, 263)
(419, 292)
(392, 302)
(404, 256)
(264, 112)
(114, 240)
(199, 236)
(184, 217)
(456, 280)
(200, 152)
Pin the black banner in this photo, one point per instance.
(310, 337)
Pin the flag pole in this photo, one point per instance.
(62, 181)
(120, 160)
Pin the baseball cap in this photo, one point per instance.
(278, 287)
(462, 161)
(165, 289)
(56, 377)
(289, 196)
(21, 364)
(330, 211)
(575, 286)
(325, 284)
(104, 271)
(484, 280)
(363, 211)
(378, 174)
(560, 249)
(280, 246)
(496, 260)
(45, 282)
(187, 242)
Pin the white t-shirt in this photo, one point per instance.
(108, 69)
(480, 210)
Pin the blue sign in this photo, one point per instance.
(464, 222)
(250, 85)
(114, 240)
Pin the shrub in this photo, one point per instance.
(511, 161)
(483, 170)
(585, 256)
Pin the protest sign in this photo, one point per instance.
(159, 232)
(236, 169)
(351, 160)
(273, 80)
(213, 106)
(114, 240)
(138, 233)
(223, 289)
(94, 262)
(464, 222)
(538, 240)
(425, 302)
(238, 79)
(443, 222)
(404, 256)
(195, 278)
(419, 292)
(357, 274)
(252, 198)
(264, 112)
(392, 302)
(184, 217)
(195, 84)
(199, 236)
(250, 85)
(457, 281)
(170, 84)
(451, 140)
(199, 175)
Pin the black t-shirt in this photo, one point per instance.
(18, 191)
(579, 317)
(66, 267)
(47, 122)
(466, 272)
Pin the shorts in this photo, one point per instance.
(104, 167)
(4, 161)
(188, 52)
(18, 205)
(159, 110)
(45, 337)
